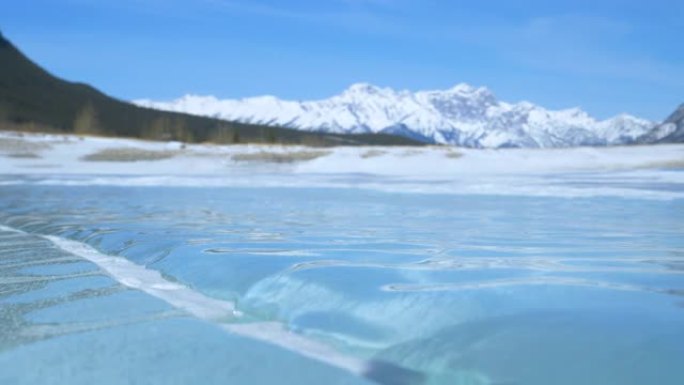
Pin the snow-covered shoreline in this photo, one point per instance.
(552, 172)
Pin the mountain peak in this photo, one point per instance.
(465, 88)
(625, 117)
(359, 92)
(362, 87)
(466, 91)
(462, 88)
(677, 116)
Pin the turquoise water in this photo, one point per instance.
(421, 288)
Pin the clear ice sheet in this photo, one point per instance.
(465, 289)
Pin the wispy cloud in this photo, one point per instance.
(577, 44)
(583, 45)
(362, 16)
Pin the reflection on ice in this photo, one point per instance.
(342, 284)
(537, 347)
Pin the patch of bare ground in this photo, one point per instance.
(373, 154)
(408, 153)
(23, 155)
(671, 164)
(279, 157)
(128, 154)
(18, 147)
(452, 154)
(39, 166)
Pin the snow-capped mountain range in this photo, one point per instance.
(462, 115)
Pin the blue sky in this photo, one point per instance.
(606, 56)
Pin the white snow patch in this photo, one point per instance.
(444, 170)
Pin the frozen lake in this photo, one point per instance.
(291, 275)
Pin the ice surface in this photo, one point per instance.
(414, 265)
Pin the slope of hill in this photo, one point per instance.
(675, 124)
(671, 130)
(32, 99)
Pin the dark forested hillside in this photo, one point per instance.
(31, 99)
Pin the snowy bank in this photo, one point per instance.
(632, 171)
